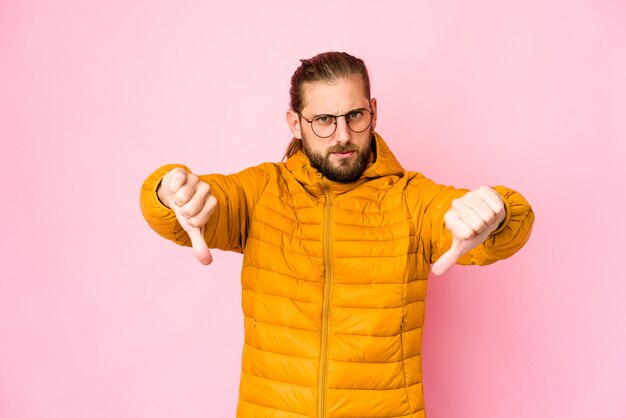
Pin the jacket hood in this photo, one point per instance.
(383, 164)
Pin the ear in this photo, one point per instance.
(375, 112)
(293, 120)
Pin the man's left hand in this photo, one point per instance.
(470, 219)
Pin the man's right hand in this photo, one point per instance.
(191, 200)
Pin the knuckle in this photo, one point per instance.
(477, 226)
(487, 191)
(476, 199)
(193, 210)
(188, 211)
(177, 177)
(191, 181)
(201, 189)
(497, 207)
(195, 222)
(464, 234)
(468, 196)
(474, 225)
(180, 197)
(468, 234)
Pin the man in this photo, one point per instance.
(337, 245)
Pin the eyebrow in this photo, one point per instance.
(338, 114)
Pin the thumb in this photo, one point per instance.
(449, 258)
(200, 249)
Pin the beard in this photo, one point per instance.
(348, 169)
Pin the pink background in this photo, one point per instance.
(99, 317)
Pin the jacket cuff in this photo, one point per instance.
(507, 209)
(160, 218)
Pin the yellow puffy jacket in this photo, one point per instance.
(334, 280)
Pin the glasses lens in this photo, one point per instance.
(359, 120)
(324, 125)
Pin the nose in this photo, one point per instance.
(344, 134)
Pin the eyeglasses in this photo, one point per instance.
(358, 120)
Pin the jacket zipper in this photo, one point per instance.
(328, 275)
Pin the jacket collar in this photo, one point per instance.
(383, 163)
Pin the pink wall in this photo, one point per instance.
(101, 318)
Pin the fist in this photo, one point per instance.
(192, 202)
(471, 219)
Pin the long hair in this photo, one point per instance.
(327, 66)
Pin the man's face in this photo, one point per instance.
(344, 155)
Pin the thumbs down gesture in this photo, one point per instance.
(470, 220)
(192, 202)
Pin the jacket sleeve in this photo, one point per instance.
(227, 228)
(431, 201)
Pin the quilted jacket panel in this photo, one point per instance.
(334, 280)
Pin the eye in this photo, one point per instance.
(324, 119)
(355, 114)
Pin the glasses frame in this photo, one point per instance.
(371, 112)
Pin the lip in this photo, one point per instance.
(343, 154)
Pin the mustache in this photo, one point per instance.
(341, 148)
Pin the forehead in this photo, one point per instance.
(334, 97)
